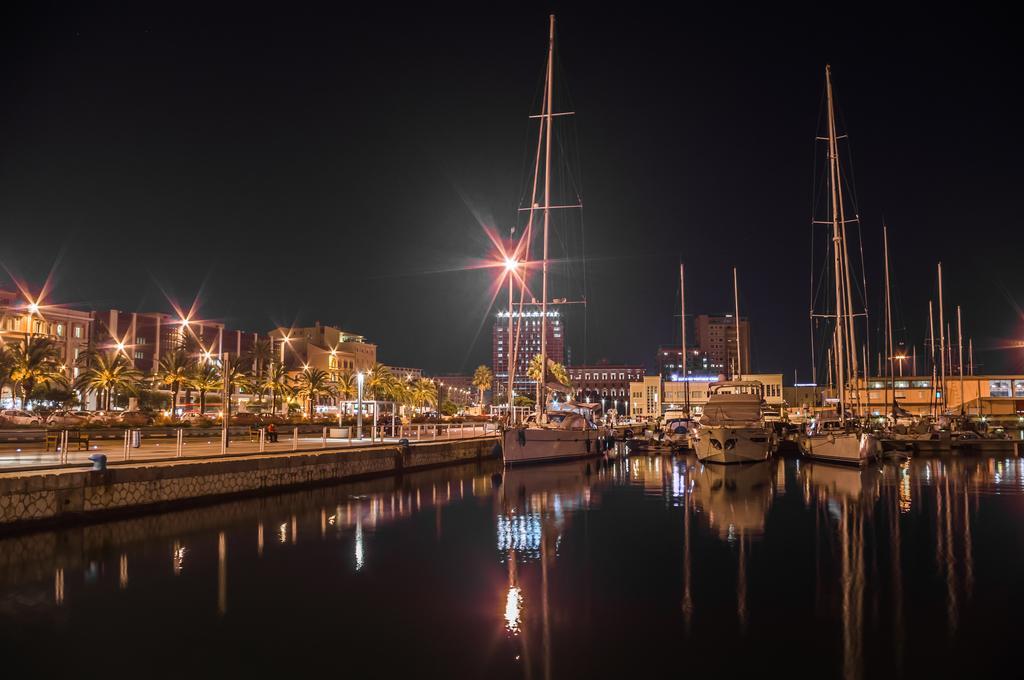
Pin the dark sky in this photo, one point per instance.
(327, 164)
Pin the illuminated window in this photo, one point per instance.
(999, 388)
(60, 330)
(78, 331)
(1018, 389)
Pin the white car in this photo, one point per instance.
(104, 417)
(19, 417)
(67, 419)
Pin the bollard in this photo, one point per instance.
(99, 461)
(127, 441)
(295, 437)
(180, 443)
(323, 441)
(263, 439)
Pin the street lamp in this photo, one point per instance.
(901, 358)
(359, 407)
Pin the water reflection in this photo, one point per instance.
(877, 567)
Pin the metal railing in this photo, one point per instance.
(75, 448)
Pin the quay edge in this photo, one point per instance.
(40, 498)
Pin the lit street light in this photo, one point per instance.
(359, 407)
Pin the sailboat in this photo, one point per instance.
(839, 437)
(569, 431)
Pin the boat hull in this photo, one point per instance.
(843, 447)
(547, 445)
(732, 445)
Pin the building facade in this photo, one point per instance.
(716, 338)
(326, 348)
(529, 334)
(645, 397)
(605, 383)
(457, 389)
(70, 329)
(999, 396)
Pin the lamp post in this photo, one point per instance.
(359, 406)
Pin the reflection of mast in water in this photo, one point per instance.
(222, 574)
(851, 536)
(741, 586)
(687, 591)
(896, 508)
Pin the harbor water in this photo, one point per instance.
(639, 565)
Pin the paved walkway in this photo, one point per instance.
(32, 454)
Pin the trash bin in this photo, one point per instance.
(99, 461)
(136, 438)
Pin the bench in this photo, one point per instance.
(78, 437)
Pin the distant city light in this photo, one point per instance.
(511, 264)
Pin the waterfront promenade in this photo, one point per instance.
(28, 455)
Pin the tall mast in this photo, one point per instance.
(542, 390)
(970, 354)
(960, 360)
(931, 344)
(888, 323)
(682, 314)
(942, 343)
(736, 296)
(836, 245)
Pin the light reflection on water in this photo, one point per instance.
(869, 571)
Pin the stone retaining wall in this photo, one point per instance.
(51, 495)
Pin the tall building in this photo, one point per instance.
(670, 363)
(716, 337)
(529, 345)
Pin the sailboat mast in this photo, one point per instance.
(888, 323)
(682, 314)
(736, 297)
(942, 343)
(836, 245)
(542, 389)
(931, 344)
(960, 360)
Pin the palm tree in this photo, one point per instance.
(6, 367)
(108, 374)
(424, 392)
(275, 381)
(348, 386)
(34, 362)
(379, 380)
(311, 384)
(482, 379)
(205, 378)
(236, 376)
(261, 355)
(555, 370)
(174, 371)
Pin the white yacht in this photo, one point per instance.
(831, 439)
(567, 433)
(732, 427)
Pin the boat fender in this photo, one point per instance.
(588, 446)
(521, 436)
(496, 479)
(588, 469)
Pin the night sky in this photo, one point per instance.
(292, 165)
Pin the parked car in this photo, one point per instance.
(67, 419)
(104, 417)
(194, 416)
(18, 417)
(244, 419)
(267, 418)
(135, 418)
